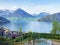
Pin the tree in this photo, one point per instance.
(55, 27)
(34, 36)
(20, 30)
(5, 41)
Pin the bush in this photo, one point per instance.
(4, 41)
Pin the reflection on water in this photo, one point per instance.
(35, 26)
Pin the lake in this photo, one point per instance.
(26, 25)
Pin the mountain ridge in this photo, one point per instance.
(50, 18)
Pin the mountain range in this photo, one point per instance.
(5, 13)
(44, 16)
(20, 13)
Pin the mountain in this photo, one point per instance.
(17, 13)
(21, 13)
(41, 15)
(4, 20)
(5, 13)
(50, 18)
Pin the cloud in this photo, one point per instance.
(36, 9)
(14, 7)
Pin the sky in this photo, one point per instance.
(32, 6)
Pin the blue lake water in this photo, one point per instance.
(44, 42)
(41, 43)
(34, 26)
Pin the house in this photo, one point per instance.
(13, 34)
(10, 34)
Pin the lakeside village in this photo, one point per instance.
(8, 37)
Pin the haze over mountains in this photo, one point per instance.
(20, 13)
(44, 16)
(4, 13)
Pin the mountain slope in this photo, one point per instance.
(51, 18)
(41, 15)
(5, 13)
(21, 13)
(4, 20)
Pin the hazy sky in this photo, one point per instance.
(32, 6)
